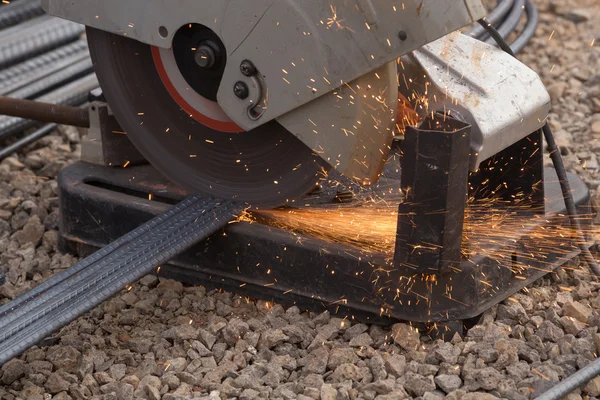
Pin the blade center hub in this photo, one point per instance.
(201, 57)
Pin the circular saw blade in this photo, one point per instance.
(265, 167)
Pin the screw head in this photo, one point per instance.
(247, 68)
(240, 89)
(402, 35)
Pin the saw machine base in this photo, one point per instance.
(99, 204)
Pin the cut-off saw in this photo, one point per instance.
(258, 100)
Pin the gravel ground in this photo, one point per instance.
(164, 340)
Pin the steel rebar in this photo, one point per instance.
(73, 94)
(88, 283)
(26, 27)
(14, 13)
(54, 80)
(44, 112)
(43, 38)
(27, 140)
(42, 73)
(27, 69)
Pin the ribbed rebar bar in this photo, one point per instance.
(54, 80)
(26, 141)
(46, 72)
(43, 38)
(14, 13)
(28, 69)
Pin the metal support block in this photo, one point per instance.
(106, 143)
(514, 176)
(435, 171)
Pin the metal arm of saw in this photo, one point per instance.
(301, 49)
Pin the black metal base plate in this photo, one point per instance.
(99, 204)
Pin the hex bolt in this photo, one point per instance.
(247, 68)
(240, 89)
(205, 56)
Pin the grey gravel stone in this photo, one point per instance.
(328, 392)
(152, 393)
(577, 310)
(418, 385)
(381, 386)
(32, 232)
(170, 380)
(64, 357)
(433, 396)
(406, 336)
(354, 331)
(235, 330)
(13, 370)
(578, 15)
(55, 384)
(117, 371)
(447, 353)
(592, 388)
(395, 364)
(398, 394)
(181, 332)
(123, 391)
(340, 356)
(550, 332)
(571, 325)
(207, 338)
(512, 310)
(362, 340)
(377, 366)
(485, 378)
(479, 396)
(271, 338)
(448, 383)
(140, 345)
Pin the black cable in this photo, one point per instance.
(496, 36)
(495, 17)
(505, 17)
